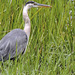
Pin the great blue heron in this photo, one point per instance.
(17, 39)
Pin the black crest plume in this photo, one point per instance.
(29, 2)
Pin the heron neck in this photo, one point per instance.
(27, 22)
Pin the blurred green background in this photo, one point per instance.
(51, 47)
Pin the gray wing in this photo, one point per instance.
(13, 43)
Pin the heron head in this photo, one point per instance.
(31, 4)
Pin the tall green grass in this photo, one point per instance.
(51, 47)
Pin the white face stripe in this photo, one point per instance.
(30, 5)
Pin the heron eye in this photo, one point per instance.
(35, 4)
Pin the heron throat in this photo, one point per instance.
(27, 21)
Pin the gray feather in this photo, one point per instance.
(14, 41)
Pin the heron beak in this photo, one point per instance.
(43, 5)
